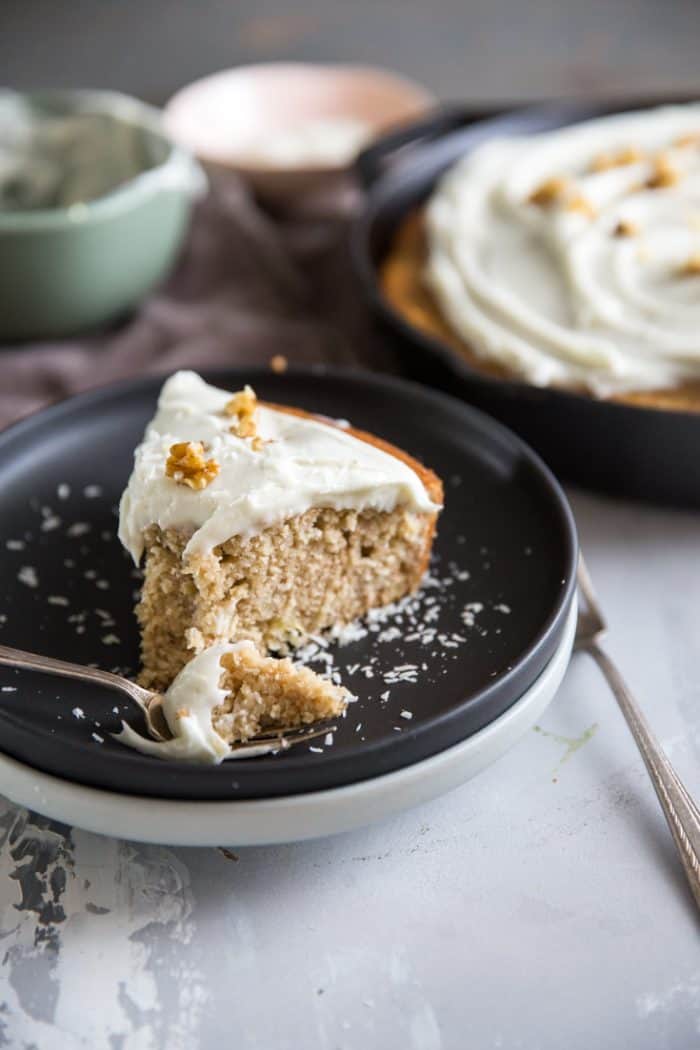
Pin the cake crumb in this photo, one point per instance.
(57, 599)
(279, 363)
(186, 464)
(63, 490)
(78, 713)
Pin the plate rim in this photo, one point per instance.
(548, 636)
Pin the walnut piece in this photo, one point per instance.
(691, 266)
(551, 191)
(187, 465)
(691, 138)
(579, 203)
(625, 228)
(606, 161)
(243, 406)
(664, 173)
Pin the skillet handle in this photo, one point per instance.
(373, 161)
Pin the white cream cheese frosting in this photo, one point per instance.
(187, 706)
(596, 289)
(302, 463)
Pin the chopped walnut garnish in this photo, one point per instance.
(605, 161)
(551, 191)
(578, 202)
(279, 363)
(691, 138)
(244, 405)
(187, 465)
(244, 428)
(664, 174)
(183, 712)
(625, 228)
(691, 266)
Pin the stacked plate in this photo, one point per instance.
(445, 681)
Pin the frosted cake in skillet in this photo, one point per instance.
(569, 258)
(264, 523)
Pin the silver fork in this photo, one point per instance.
(682, 814)
(278, 739)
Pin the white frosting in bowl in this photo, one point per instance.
(329, 142)
(572, 258)
(303, 463)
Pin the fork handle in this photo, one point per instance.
(48, 665)
(681, 813)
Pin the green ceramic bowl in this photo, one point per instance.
(67, 269)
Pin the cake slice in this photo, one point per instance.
(229, 693)
(265, 523)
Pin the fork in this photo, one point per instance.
(682, 814)
(279, 739)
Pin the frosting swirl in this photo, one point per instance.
(571, 258)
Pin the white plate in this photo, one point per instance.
(264, 821)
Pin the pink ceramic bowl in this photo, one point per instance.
(289, 126)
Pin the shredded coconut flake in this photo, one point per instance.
(79, 528)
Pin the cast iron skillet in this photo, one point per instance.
(506, 541)
(625, 450)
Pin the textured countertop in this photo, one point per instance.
(539, 906)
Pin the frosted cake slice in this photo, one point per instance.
(266, 523)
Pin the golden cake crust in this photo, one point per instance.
(401, 280)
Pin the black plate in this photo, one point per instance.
(506, 540)
(644, 453)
